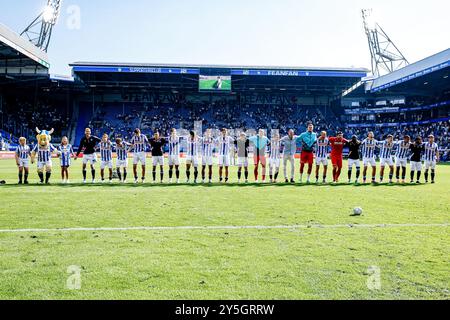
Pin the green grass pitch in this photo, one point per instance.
(324, 259)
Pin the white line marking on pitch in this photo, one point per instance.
(315, 226)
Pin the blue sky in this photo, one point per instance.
(239, 32)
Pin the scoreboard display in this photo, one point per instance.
(215, 81)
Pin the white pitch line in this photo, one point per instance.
(315, 226)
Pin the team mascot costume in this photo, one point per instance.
(43, 150)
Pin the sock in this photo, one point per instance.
(25, 177)
(203, 173)
(391, 175)
(170, 173)
(154, 175)
(246, 174)
(20, 177)
(84, 174)
(358, 173)
(419, 173)
(41, 176)
(255, 172)
(271, 177)
(195, 174)
(124, 174)
(161, 175)
(93, 174)
(47, 176)
(239, 174)
(177, 173)
(119, 174)
(188, 174)
(426, 175)
(276, 175)
(412, 175)
(397, 173)
(433, 175)
(349, 174)
(403, 173)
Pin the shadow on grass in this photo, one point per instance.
(210, 185)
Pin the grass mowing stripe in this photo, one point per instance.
(337, 226)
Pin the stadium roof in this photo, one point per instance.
(429, 75)
(307, 80)
(19, 57)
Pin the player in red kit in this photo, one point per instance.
(337, 147)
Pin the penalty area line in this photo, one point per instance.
(174, 228)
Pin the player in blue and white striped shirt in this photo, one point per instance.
(44, 163)
(274, 157)
(139, 142)
(65, 152)
(322, 151)
(174, 144)
(401, 157)
(106, 160)
(122, 149)
(225, 144)
(193, 145)
(207, 145)
(386, 148)
(368, 153)
(431, 157)
(22, 156)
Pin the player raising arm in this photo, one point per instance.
(22, 155)
(431, 157)
(322, 147)
(337, 147)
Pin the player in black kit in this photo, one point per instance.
(87, 145)
(353, 158)
(157, 143)
(417, 149)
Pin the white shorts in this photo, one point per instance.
(355, 162)
(371, 161)
(274, 163)
(139, 157)
(46, 164)
(158, 161)
(430, 165)
(24, 163)
(104, 164)
(323, 161)
(193, 160)
(224, 161)
(401, 162)
(207, 160)
(387, 162)
(174, 160)
(242, 161)
(90, 158)
(122, 163)
(416, 166)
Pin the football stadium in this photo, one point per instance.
(165, 181)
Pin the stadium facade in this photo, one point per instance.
(338, 98)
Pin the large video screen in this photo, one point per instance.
(215, 83)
